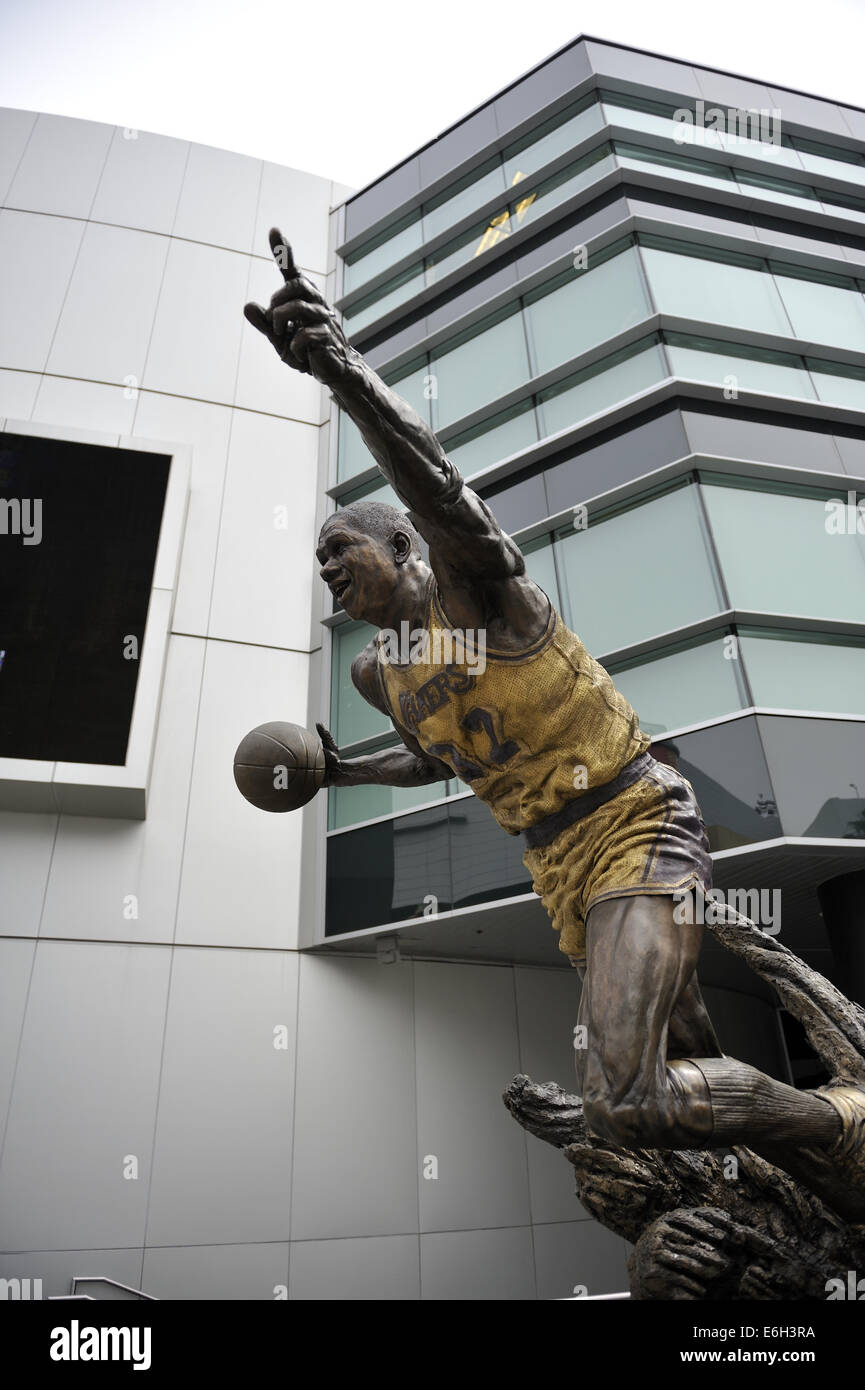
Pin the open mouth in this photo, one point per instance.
(340, 589)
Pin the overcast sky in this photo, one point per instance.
(346, 88)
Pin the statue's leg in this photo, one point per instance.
(640, 966)
(691, 1033)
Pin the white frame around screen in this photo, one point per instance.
(97, 789)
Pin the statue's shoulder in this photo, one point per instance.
(364, 666)
(365, 673)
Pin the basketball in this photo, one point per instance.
(279, 767)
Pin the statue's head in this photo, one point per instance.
(371, 561)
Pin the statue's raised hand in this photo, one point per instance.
(300, 323)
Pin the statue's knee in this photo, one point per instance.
(611, 1119)
(626, 1122)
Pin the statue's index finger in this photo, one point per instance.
(282, 254)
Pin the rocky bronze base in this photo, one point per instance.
(719, 1223)
(705, 1224)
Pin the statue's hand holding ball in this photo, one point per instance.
(280, 767)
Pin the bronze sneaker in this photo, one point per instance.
(837, 1173)
(848, 1151)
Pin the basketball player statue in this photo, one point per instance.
(541, 734)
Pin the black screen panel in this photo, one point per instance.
(79, 529)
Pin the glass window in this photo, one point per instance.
(685, 686)
(352, 454)
(387, 250)
(459, 200)
(350, 715)
(415, 386)
(679, 165)
(558, 136)
(383, 873)
(349, 805)
(780, 153)
(586, 308)
(823, 310)
(837, 383)
(372, 492)
(714, 291)
(841, 206)
(386, 297)
(794, 195)
(641, 572)
(726, 767)
(494, 440)
(655, 124)
(485, 863)
(541, 567)
(820, 161)
(580, 397)
(779, 557)
(777, 373)
(535, 201)
(795, 670)
(818, 768)
(518, 500)
(473, 243)
(480, 369)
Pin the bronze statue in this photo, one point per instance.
(542, 735)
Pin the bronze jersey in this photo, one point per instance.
(528, 732)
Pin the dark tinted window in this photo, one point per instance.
(74, 593)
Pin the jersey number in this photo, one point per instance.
(478, 720)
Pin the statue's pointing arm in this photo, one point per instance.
(304, 331)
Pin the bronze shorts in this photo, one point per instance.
(649, 838)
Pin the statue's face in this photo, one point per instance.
(361, 571)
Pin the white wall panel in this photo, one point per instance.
(264, 382)
(217, 201)
(206, 429)
(18, 393)
(26, 847)
(467, 1052)
(356, 1162)
(298, 204)
(16, 128)
(263, 584)
(579, 1255)
(16, 963)
(375, 1269)
(547, 1003)
(196, 333)
(141, 181)
(63, 400)
(222, 1272)
(118, 880)
(105, 325)
(84, 1101)
(61, 166)
(56, 1268)
(241, 866)
(222, 1161)
(36, 259)
(478, 1265)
